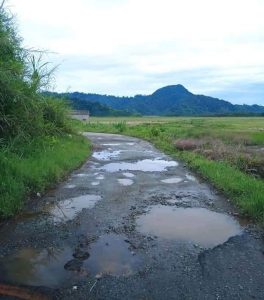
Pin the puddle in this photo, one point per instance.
(125, 182)
(36, 267)
(197, 225)
(128, 175)
(100, 177)
(106, 155)
(70, 186)
(110, 256)
(69, 208)
(172, 180)
(130, 144)
(146, 165)
(111, 144)
(190, 177)
(94, 183)
(81, 175)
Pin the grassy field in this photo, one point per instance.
(227, 151)
(33, 167)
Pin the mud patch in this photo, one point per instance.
(146, 165)
(197, 225)
(125, 182)
(172, 180)
(37, 267)
(69, 208)
(110, 255)
(106, 155)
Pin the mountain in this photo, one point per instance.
(174, 100)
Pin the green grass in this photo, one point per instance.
(31, 168)
(244, 190)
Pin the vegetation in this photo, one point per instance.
(228, 173)
(173, 100)
(37, 142)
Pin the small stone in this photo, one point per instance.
(38, 194)
(75, 287)
(98, 276)
(133, 253)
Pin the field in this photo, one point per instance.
(227, 151)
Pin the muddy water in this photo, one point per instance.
(197, 225)
(146, 165)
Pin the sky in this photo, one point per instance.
(128, 47)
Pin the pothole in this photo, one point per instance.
(35, 267)
(146, 165)
(198, 225)
(110, 255)
(172, 180)
(69, 208)
(106, 155)
(128, 175)
(70, 186)
(125, 181)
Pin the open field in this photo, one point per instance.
(228, 151)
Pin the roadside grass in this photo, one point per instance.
(32, 168)
(243, 189)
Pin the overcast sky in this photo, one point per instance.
(128, 47)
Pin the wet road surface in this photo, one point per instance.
(132, 223)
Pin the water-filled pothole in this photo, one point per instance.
(197, 225)
(145, 165)
(35, 267)
(110, 255)
(106, 154)
(125, 181)
(128, 175)
(172, 180)
(69, 208)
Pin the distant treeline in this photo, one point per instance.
(168, 101)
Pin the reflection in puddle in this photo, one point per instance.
(69, 208)
(198, 225)
(130, 144)
(94, 183)
(172, 180)
(110, 256)
(146, 165)
(36, 267)
(100, 177)
(111, 144)
(106, 155)
(81, 175)
(70, 186)
(128, 175)
(190, 177)
(125, 182)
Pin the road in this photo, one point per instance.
(132, 223)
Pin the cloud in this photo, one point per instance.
(126, 47)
